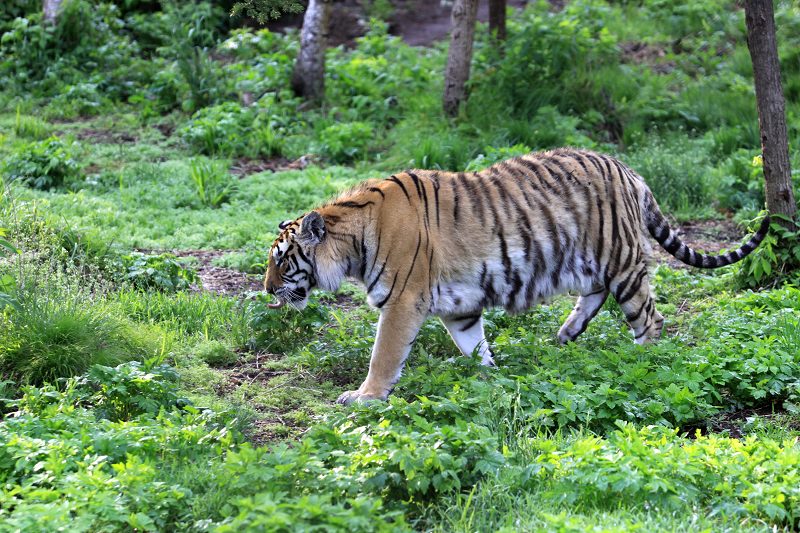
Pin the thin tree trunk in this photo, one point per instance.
(497, 19)
(459, 57)
(51, 8)
(771, 107)
(308, 78)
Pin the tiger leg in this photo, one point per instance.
(632, 291)
(467, 333)
(398, 326)
(584, 311)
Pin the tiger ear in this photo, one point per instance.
(312, 229)
(285, 224)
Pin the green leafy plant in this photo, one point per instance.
(161, 272)
(44, 165)
(346, 141)
(8, 283)
(218, 130)
(776, 260)
(213, 184)
(130, 389)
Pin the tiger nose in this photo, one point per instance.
(269, 286)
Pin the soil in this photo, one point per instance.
(647, 54)
(105, 136)
(220, 280)
(732, 422)
(244, 166)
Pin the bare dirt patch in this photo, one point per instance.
(244, 166)
(217, 279)
(105, 136)
(651, 55)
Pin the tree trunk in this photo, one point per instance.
(308, 78)
(771, 107)
(51, 8)
(462, 22)
(497, 19)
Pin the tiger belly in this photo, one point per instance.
(515, 289)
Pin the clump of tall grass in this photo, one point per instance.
(60, 326)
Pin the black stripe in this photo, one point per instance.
(413, 262)
(472, 321)
(674, 244)
(391, 290)
(372, 285)
(377, 190)
(377, 251)
(415, 179)
(436, 199)
(354, 205)
(634, 288)
(400, 183)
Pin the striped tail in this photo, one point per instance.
(659, 228)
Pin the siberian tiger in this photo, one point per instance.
(452, 244)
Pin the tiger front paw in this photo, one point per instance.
(358, 396)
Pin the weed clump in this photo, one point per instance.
(57, 330)
(47, 164)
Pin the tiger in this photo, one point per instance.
(451, 244)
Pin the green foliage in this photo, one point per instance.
(218, 130)
(550, 59)
(8, 283)
(44, 165)
(158, 272)
(79, 100)
(678, 172)
(346, 141)
(492, 155)
(264, 10)
(130, 389)
(87, 38)
(215, 353)
(213, 184)
(282, 330)
(775, 261)
(56, 331)
(30, 127)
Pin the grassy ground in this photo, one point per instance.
(178, 408)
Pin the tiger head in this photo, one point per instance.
(291, 272)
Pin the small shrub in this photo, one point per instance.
(130, 389)
(679, 173)
(347, 141)
(79, 100)
(213, 184)
(44, 165)
(285, 329)
(219, 130)
(160, 272)
(775, 261)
